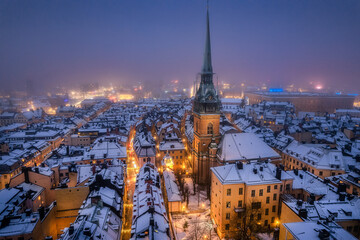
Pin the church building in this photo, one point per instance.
(206, 112)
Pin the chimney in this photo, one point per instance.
(342, 196)
(303, 213)
(324, 234)
(71, 229)
(341, 187)
(26, 174)
(87, 231)
(41, 211)
(312, 199)
(278, 173)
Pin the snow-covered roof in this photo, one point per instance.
(318, 155)
(253, 173)
(172, 189)
(171, 146)
(310, 230)
(244, 146)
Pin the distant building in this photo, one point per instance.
(172, 192)
(176, 151)
(144, 146)
(335, 219)
(318, 159)
(355, 113)
(305, 102)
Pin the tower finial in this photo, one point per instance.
(207, 66)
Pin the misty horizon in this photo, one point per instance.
(66, 44)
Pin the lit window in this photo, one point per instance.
(252, 193)
(228, 192)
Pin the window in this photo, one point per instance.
(320, 173)
(227, 227)
(266, 211)
(228, 216)
(275, 196)
(266, 222)
(256, 205)
(252, 217)
(197, 127)
(241, 191)
(272, 219)
(281, 187)
(287, 187)
(275, 187)
(274, 208)
(240, 203)
(228, 192)
(261, 192)
(268, 188)
(252, 193)
(267, 199)
(259, 216)
(210, 129)
(228, 204)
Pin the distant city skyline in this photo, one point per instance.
(53, 44)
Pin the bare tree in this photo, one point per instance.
(197, 230)
(186, 194)
(246, 221)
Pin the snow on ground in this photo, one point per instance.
(197, 216)
(265, 236)
(199, 226)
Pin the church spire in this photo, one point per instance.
(207, 66)
(206, 98)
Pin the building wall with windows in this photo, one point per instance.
(240, 195)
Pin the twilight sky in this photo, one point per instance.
(278, 42)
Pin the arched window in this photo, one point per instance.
(210, 129)
(197, 127)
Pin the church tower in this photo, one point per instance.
(206, 112)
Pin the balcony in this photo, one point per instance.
(239, 209)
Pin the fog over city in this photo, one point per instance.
(180, 119)
(67, 43)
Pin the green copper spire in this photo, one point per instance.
(206, 98)
(207, 66)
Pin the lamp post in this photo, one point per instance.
(277, 230)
